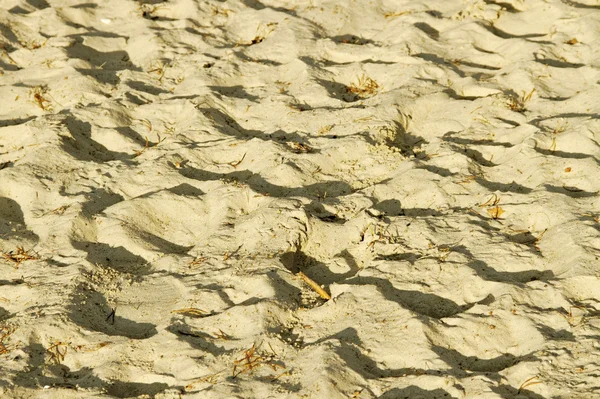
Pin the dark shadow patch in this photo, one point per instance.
(490, 274)
(10, 212)
(524, 237)
(81, 146)
(39, 4)
(10, 36)
(478, 66)
(257, 183)
(186, 190)
(317, 210)
(339, 91)
(196, 339)
(555, 98)
(592, 220)
(15, 121)
(8, 68)
(472, 363)
(18, 10)
(556, 335)
(567, 115)
(122, 389)
(321, 62)
(413, 392)
(234, 92)
(135, 99)
(505, 35)
(512, 187)
(473, 155)
(580, 5)
(403, 257)
(564, 154)
(451, 138)
(440, 61)
(558, 63)
(132, 135)
(85, 5)
(506, 391)
(106, 64)
(572, 192)
(443, 172)
(422, 212)
(245, 58)
(146, 88)
(4, 314)
(434, 13)
(408, 144)
(506, 6)
(298, 261)
(284, 292)
(228, 126)
(428, 30)
(429, 305)
(508, 121)
(96, 201)
(36, 376)
(90, 310)
(455, 96)
(349, 351)
(162, 245)
(32, 376)
(117, 258)
(215, 288)
(389, 207)
(351, 39)
(18, 281)
(12, 221)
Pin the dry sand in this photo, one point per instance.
(168, 169)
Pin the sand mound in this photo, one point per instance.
(299, 199)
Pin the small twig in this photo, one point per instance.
(17, 256)
(236, 163)
(322, 293)
(112, 315)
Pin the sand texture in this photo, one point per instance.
(299, 199)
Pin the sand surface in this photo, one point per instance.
(175, 175)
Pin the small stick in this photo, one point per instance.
(322, 293)
(111, 315)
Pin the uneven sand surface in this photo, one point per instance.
(174, 175)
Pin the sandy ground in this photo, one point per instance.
(175, 175)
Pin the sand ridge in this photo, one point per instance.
(175, 174)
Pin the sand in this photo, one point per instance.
(299, 199)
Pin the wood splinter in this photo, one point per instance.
(322, 293)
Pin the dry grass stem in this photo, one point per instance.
(493, 209)
(19, 255)
(364, 87)
(530, 381)
(5, 333)
(252, 360)
(518, 104)
(147, 145)
(39, 97)
(57, 352)
(391, 14)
